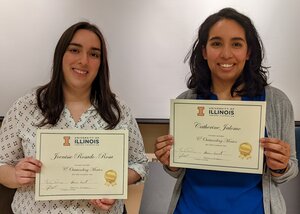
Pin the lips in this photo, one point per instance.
(80, 71)
(226, 65)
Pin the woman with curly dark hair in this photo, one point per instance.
(226, 64)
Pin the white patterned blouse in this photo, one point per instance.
(18, 137)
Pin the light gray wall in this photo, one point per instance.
(147, 42)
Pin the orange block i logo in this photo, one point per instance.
(66, 140)
(200, 111)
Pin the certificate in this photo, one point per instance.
(82, 164)
(218, 135)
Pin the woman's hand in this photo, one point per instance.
(104, 204)
(26, 169)
(277, 153)
(163, 146)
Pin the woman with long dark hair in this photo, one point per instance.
(226, 64)
(78, 96)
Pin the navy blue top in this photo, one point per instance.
(214, 192)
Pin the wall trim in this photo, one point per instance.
(157, 121)
(152, 121)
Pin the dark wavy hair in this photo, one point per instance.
(254, 76)
(50, 97)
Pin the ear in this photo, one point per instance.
(248, 54)
(204, 54)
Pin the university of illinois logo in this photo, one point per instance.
(200, 111)
(66, 141)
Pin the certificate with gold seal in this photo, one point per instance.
(218, 135)
(82, 164)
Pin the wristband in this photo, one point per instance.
(279, 171)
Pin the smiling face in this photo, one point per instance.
(81, 61)
(226, 51)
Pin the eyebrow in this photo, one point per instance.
(79, 45)
(234, 38)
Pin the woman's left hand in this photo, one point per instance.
(104, 204)
(277, 153)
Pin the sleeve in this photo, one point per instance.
(288, 135)
(137, 159)
(283, 126)
(175, 174)
(10, 142)
(189, 94)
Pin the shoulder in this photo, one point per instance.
(276, 96)
(27, 100)
(125, 109)
(279, 108)
(127, 120)
(23, 106)
(189, 94)
(122, 104)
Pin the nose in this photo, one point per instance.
(84, 59)
(226, 52)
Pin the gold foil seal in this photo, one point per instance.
(110, 177)
(245, 150)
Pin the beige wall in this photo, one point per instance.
(150, 132)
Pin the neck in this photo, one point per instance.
(223, 92)
(80, 95)
(77, 102)
(78, 98)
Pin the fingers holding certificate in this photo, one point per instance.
(217, 135)
(163, 146)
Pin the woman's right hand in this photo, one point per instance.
(163, 146)
(26, 169)
(103, 204)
